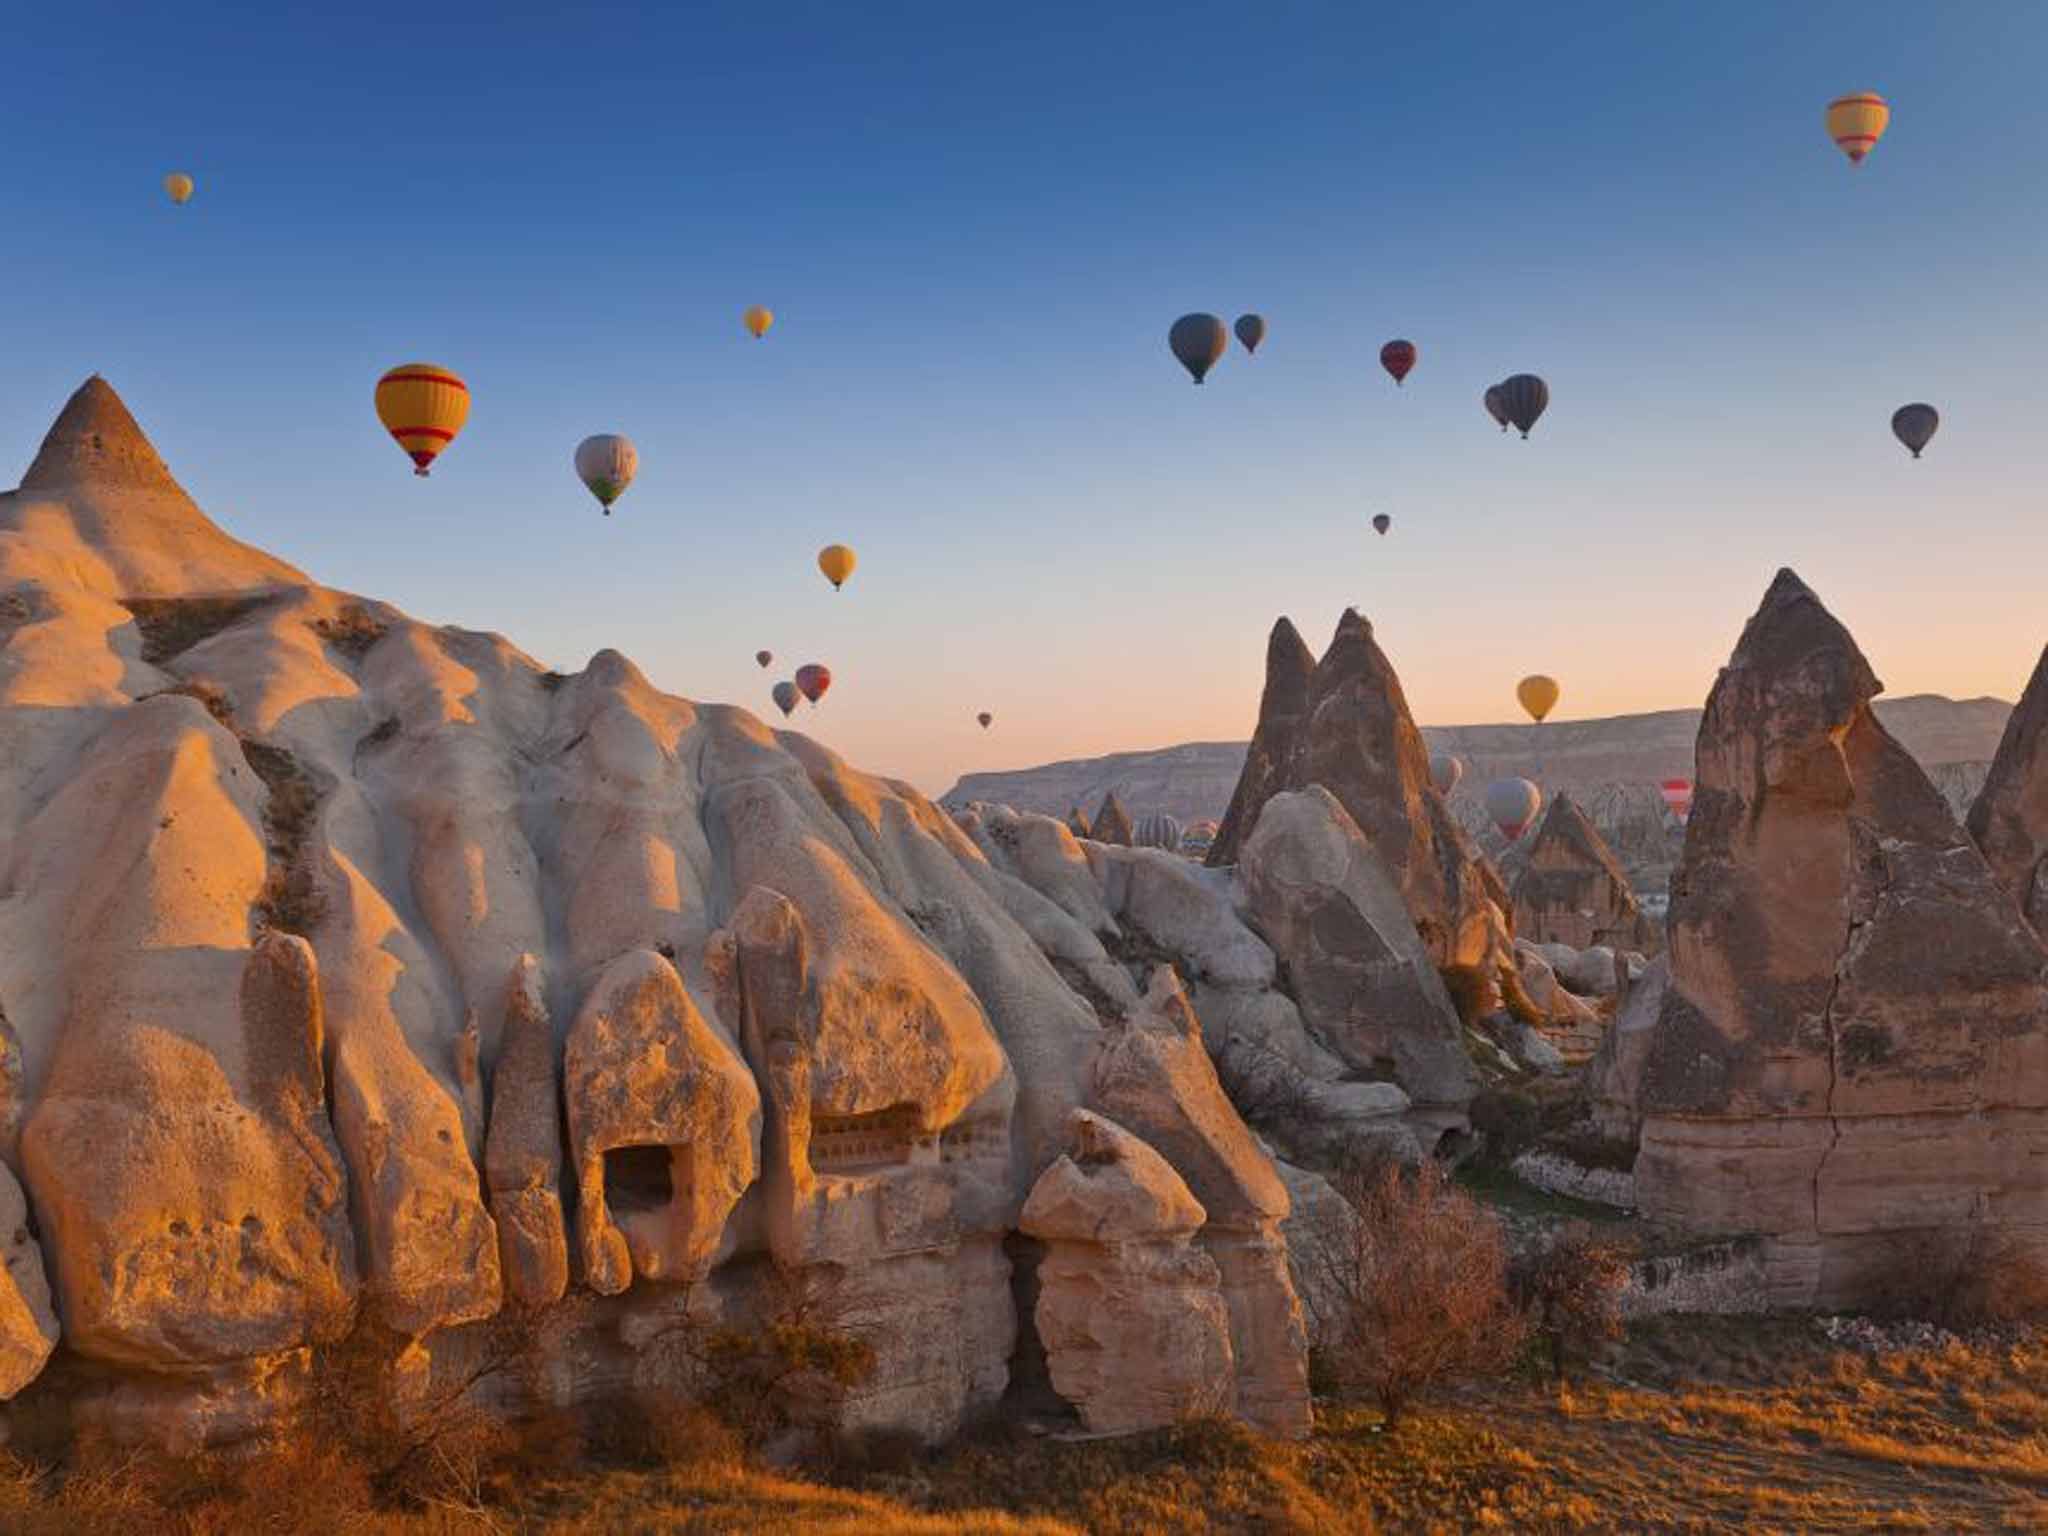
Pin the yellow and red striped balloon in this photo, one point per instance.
(423, 406)
(1857, 122)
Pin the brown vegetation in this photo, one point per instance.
(290, 901)
(352, 631)
(171, 626)
(1569, 1289)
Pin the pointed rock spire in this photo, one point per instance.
(1112, 822)
(1282, 729)
(95, 441)
(2010, 819)
(1572, 890)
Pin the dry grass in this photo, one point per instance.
(290, 901)
(171, 626)
(1701, 1425)
(352, 631)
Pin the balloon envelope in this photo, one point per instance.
(758, 318)
(422, 406)
(764, 657)
(1538, 695)
(812, 680)
(1251, 330)
(1513, 803)
(837, 562)
(179, 186)
(1397, 357)
(1523, 399)
(1445, 771)
(986, 719)
(1677, 795)
(1857, 122)
(1915, 425)
(1199, 342)
(1496, 407)
(785, 696)
(1381, 523)
(606, 465)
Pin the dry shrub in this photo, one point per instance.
(216, 702)
(1981, 1278)
(352, 631)
(170, 626)
(1570, 1291)
(1416, 1292)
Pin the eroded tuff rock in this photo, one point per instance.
(1352, 734)
(28, 1321)
(1853, 1049)
(1077, 821)
(664, 1126)
(523, 1155)
(1112, 823)
(1153, 1077)
(2010, 817)
(1571, 889)
(1614, 1078)
(1130, 1312)
(1365, 983)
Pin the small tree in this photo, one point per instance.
(1570, 1293)
(1416, 1290)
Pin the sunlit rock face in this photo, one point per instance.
(2010, 817)
(1852, 1050)
(359, 976)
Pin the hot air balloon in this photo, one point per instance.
(1381, 523)
(1157, 830)
(1538, 695)
(1445, 771)
(758, 318)
(1251, 330)
(1513, 804)
(1677, 795)
(606, 465)
(1857, 122)
(1196, 841)
(179, 186)
(812, 680)
(423, 406)
(986, 719)
(1397, 357)
(1199, 341)
(785, 696)
(1915, 425)
(1496, 407)
(837, 562)
(1523, 399)
(764, 657)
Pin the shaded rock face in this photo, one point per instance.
(523, 1157)
(1112, 824)
(1854, 1040)
(2010, 817)
(1130, 1312)
(1365, 983)
(1347, 728)
(1571, 889)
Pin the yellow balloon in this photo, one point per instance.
(179, 185)
(1538, 695)
(758, 320)
(837, 562)
(1857, 122)
(423, 406)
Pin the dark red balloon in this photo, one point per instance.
(812, 680)
(1397, 357)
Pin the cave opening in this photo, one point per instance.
(638, 1178)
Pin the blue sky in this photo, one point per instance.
(975, 224)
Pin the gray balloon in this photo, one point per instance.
(785, 696)
(1251, 330)
(1915, 426)
(1495, 408)
(1513, 804)
(1199, 341)
(1445, 770)
(1524, 398)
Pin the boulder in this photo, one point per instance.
(1153, 1077)
(1853, 1048)
(1130, 1312)
(1112, 823)
(2010, 817)
(1367, 986)
(1571, 889)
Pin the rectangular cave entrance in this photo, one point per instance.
(638, 1178)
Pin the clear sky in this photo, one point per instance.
(975, 223)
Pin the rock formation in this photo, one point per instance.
(1346, 726)
(1852, 1053)
(1112, 824)
(1135, 1331)
(1571, 890)
(1077, 821)
(2010, 819)
(354, 970)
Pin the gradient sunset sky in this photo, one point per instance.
(975, 224)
